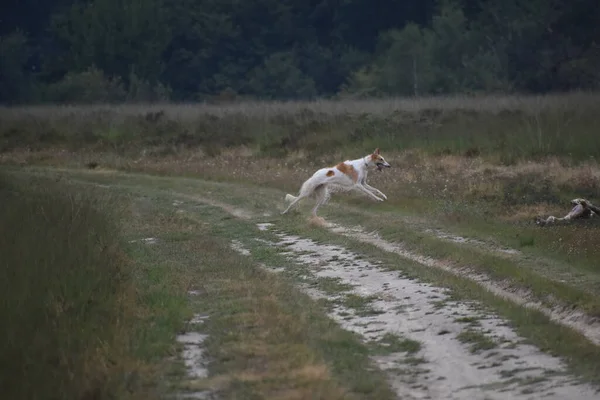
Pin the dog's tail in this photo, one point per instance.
(307, 189)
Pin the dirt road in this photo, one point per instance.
(431, 342)
(465, 350)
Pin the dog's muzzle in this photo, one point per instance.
(380, 166)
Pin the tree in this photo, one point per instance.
(446, 58)
(279, 77)
(463, 61)
(404, 67)
(16, 84)
(118, 36)
(299, 48)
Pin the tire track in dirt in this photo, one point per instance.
(233, 211)
(509, 370)
(419, 311)
(504, 368)
(505, 251)
(577, 320)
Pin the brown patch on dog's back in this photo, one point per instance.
(330, 173)
(348, 170)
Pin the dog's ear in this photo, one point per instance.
(376, 151)
(584, 203)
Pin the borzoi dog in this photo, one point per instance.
(350, 174)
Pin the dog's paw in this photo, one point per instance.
(384, 196)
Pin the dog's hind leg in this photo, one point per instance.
(294, 201)
(321, 196)
(309, 187)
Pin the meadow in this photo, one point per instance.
(504, 129)
(479, 168)
(506, 158)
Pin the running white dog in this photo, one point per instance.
(351, 174)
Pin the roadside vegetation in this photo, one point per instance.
(69, 308)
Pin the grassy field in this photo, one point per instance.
(487, 164)
(91, 313)
(468, 177)
(68, 306)
(83, 315)
(268, 339)
(507, 129)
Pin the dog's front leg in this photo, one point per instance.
(377, 191)
(372, 189)
(364, 189)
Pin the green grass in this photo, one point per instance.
(473, 321)
(540, 280)
(391, 343)
(67, 304)
(85, 314)
(360, 304)
(332, 285)
(476, 340)
(580, 354)
(266, 339)
(479, 168)
(570, 279)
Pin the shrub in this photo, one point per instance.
(89, 86)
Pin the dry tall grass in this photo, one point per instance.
(377, 106)
(502, 127)
(67, 296)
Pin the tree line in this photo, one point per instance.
(188, 50)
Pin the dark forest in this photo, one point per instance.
(82, 51)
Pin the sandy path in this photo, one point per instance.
(575, 319)
(450, 369)
(445, 367)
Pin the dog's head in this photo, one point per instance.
(378, 160)
(582, 202)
